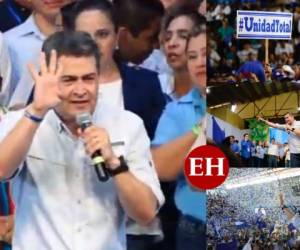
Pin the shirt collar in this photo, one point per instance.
(167, 83)
(30, 27)
(192, 97)
(55, 122)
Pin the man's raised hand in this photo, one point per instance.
(46, 94)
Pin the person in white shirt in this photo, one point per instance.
(287, 154)
(60, 202)
(292, 127)
(273, 154)
(291, 216)
(260, 153)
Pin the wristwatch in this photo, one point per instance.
(120, 169)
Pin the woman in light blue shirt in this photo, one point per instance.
(173, 140)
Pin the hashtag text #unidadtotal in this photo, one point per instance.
(262, 25)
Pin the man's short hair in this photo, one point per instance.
(72, 43)
(137, 15)
(289, 113)
(245, 134)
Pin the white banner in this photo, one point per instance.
(264, 25)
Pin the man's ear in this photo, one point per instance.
(122, 36)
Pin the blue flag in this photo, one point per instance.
(218, 133)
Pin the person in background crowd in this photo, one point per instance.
(174, 138)
(136, 90)
(25, 42)
(226, 147)
(254, 159)
(291, 216)
(64, 207)
(251, 70)
(281, 155)
(194, 3)
(273, 154)
(5, 72)
(177, 24)
(202, 7)
(260, 152)
(266, 158)
(246, 150)
(157, 61)
(292, 127)
(139, 27)
(234, 145)
(180, 22)
(287, 154)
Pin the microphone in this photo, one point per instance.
(84, 120)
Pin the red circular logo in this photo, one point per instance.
(206, 167)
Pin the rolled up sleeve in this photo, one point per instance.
(140, 162)
(167, 128)
(7, 123)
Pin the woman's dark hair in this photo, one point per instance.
(71, 11)
(137, 15)
(183, 10)
(72, 43)
(198, 29)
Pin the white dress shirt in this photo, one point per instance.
(60, 204)
(288, 153)
(5, 72)
(293, 139)
(260, 152)
(273, 150)
(111, 93)
(24, 43)
(157, 62)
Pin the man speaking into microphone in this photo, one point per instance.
(292, 127)
(61, 201)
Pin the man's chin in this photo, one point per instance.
(82, 110)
